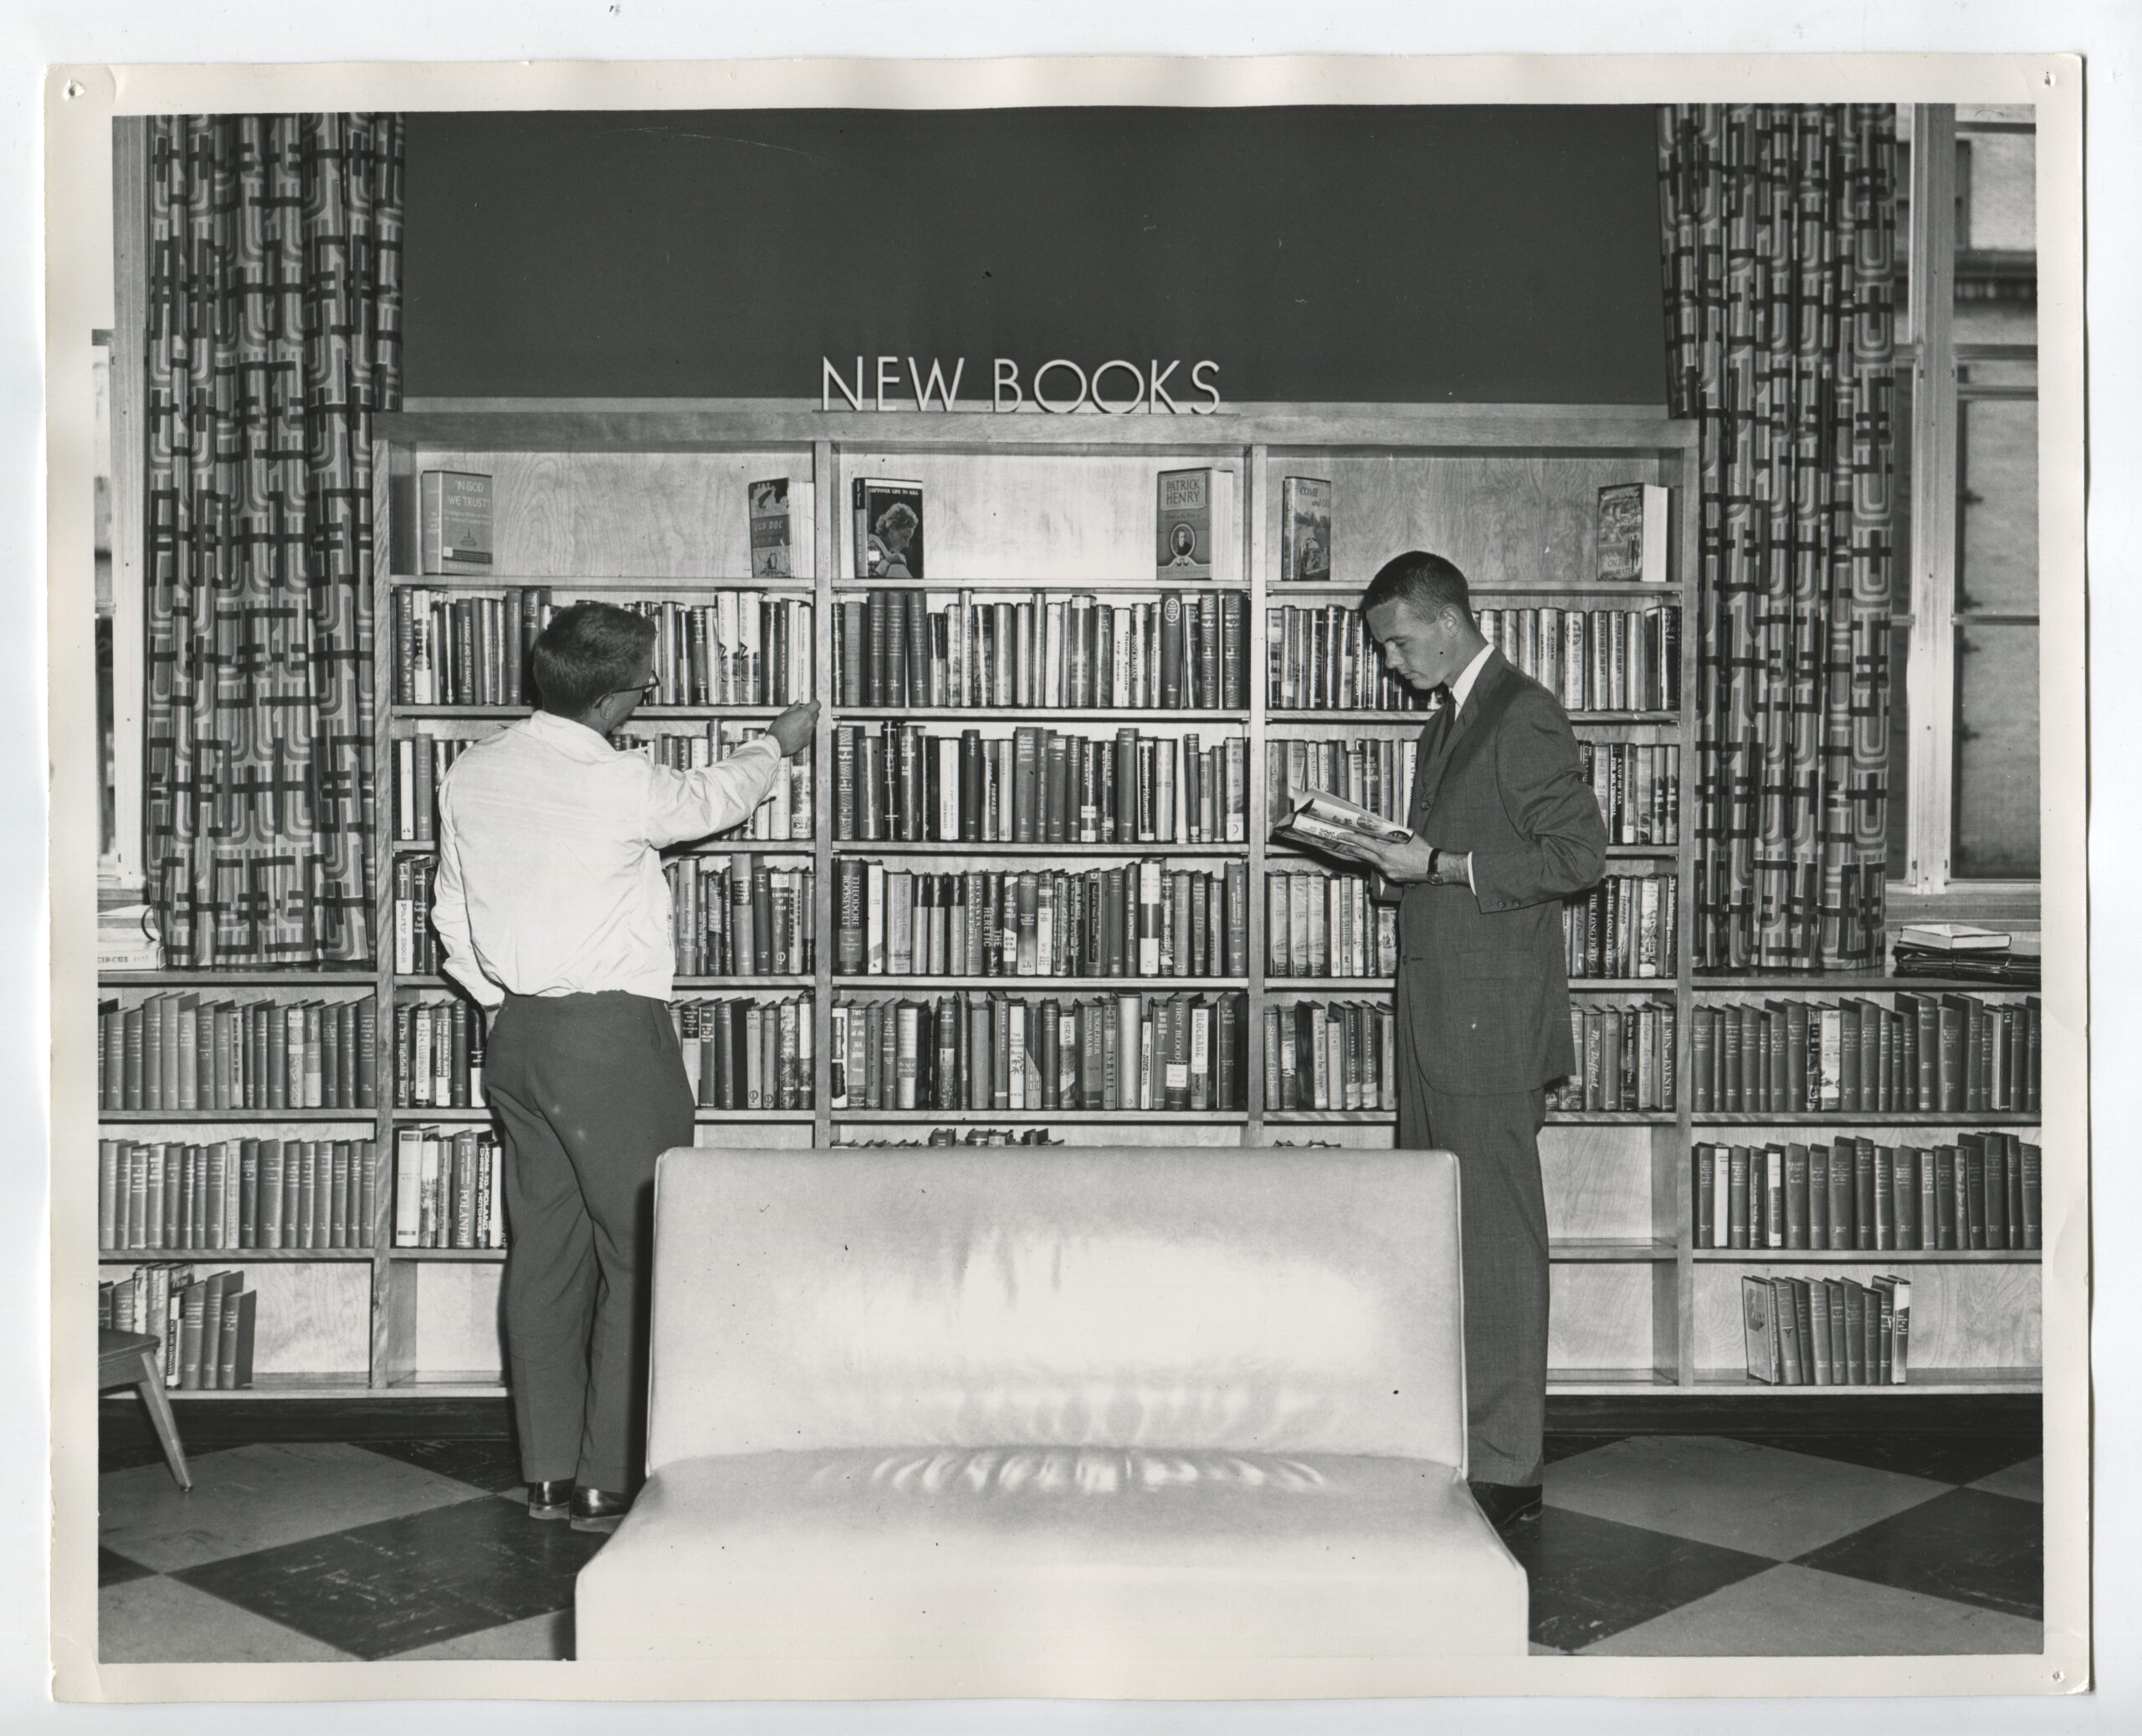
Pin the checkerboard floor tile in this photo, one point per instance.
(1653, 1545)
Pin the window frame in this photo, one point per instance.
(1931, 621)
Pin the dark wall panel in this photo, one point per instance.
(1384, 254)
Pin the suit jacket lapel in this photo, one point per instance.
(1455, 730)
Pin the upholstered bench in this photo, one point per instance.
(1019, 1422)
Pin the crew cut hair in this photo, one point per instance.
(589, 649)
(1423, 582)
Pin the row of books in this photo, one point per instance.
(1638, 788)
(417, 950)
(236, 1193)
(749, 1054)
(787, 812)
(1321, 924)
(1927, 1053)
(1624, 1058)
(899, 781)
(740, 916)
(1142, 919)
(448, 1191)
(1330, 1055)
(1321, 658)
(956, 1136)
(1373, 772)
(439, 1054)
(741, 648)
(204, 1327)
(1061, 650)
(1827, 1331)
(1982, 1191)
(1627, 926)
(1164, 1053)
(178, 1051)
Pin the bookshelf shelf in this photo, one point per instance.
(408, 1117)
(235, 1256)
(1046, 986)
(1609, 1383)
(1728, 1381)
(184, 1118)
(1011, 715)
(1070, 1117)
(1867, 1257)
(1052, 585)
(603, 587)
(1610, 1251)
(711, 983)
(1834, 983)
(1843, 1119)
(1316, 988)
(979, 853)
(266, 977)
(1486, 596)
(449, 1256)
(278, 1386)
(645, 715)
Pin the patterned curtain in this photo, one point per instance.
(1782, 273)
(274, 332)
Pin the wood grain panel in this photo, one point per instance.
(1599, 1184)
(1051, 520)
(311, 1319)
(674, 514)
(1600, 1317)
(1504, 520)
(1962, 1316)
(458, 1323)
(738, 1136)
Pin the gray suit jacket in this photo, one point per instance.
(1482, 969)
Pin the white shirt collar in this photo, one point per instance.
(573, 739)
(1464, 685)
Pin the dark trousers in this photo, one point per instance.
(1503, 1238)
(589, 1089)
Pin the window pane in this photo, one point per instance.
(1999, 196)
(1996, 788)
(1899, 864)
(1997, 507)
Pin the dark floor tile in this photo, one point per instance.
(1592, 1577)
(1957, 1458)
(124, 1448)
(1568, 1447)
(381, 1589)
(113, 1569)
(1968, 1545)
(484, 1464)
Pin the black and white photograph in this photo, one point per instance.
(913, 889)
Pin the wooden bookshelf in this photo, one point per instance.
(618, 500)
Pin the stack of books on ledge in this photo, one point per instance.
(1827, 1331)
(204, 1325)
(1960, 950)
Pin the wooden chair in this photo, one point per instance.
(129, 1359)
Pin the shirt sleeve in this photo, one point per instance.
(682, 805)
(450, 918)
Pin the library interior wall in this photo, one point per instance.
(1393, 255)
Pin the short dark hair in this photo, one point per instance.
(588, 650)
(1428, 582)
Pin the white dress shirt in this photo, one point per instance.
(549, 879)
(1460, 690)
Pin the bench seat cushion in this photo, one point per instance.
(1037, 1570)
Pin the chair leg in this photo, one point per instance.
(151, 1389)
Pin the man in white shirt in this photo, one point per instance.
(552, 910)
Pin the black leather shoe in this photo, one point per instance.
(1507, 1505)
(598, 1509)
(551, 1500)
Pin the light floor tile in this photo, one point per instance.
(1797, 1611)
(254, 1497)
(162, 1621)
(2025, 1482)
(1732, 1494)
(538, 1637)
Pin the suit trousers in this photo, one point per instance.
(589, 1089)
(1503, 1238)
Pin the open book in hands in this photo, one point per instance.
(1319, 820)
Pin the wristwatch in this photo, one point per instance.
(1434, 863)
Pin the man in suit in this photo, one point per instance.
(1505, 827)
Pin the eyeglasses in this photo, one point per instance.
(649, 693)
